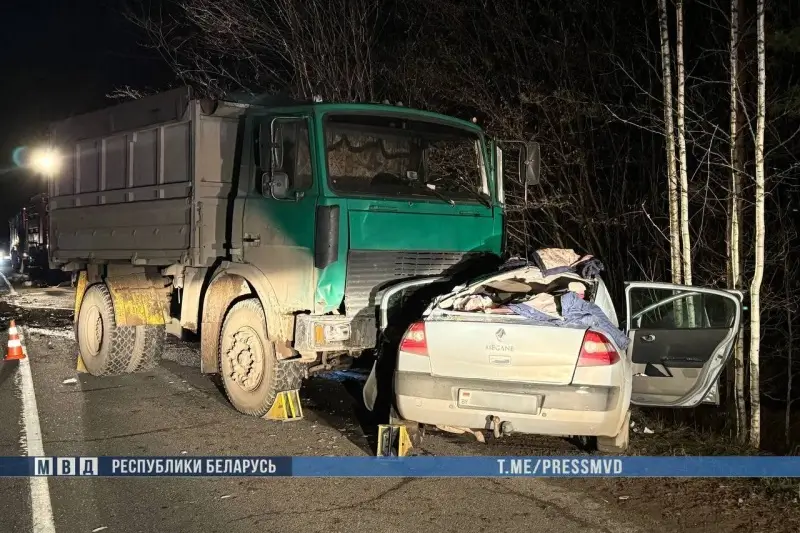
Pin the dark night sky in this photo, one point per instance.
(59, 58)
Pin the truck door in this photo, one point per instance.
(681, 339)
(278, 229)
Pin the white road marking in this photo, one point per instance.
(11, 290)
(41, 507)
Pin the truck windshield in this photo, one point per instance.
(394, 156)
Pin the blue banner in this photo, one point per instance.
(572, 466)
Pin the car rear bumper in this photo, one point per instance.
(561, 410)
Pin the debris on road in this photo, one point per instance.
(460, 431)
(101, 528)
(64, 334)
(69, 381)
(226, 496)
(344, 375)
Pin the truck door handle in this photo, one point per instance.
(252, 240)
(648, 338)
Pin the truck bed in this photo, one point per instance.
(137, 179)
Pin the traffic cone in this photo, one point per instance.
(14, 345)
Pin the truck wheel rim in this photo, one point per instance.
(245, 359)
(93, 330)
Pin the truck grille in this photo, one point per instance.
(370, 271)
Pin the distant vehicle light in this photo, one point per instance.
(45, 161)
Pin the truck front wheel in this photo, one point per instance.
(251, 374)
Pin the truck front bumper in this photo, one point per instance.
(329, 333)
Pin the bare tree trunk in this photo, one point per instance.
(683, 186)
(684, 177)
(669, 136)
(735, 215)
(790, 333)
(755, 287)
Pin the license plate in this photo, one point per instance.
(499, 401)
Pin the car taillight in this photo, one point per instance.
(414, 340)
(597, 350)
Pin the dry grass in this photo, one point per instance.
(674, 438)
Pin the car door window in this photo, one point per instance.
(677, 309)
(680, 339)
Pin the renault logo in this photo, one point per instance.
(500, 334)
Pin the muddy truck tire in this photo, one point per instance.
(108, 349)
(148, 348)
(251, 374)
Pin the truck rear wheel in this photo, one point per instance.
(108, 349)
(251, 374)
(148, 348)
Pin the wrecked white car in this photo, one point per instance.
(532, 351)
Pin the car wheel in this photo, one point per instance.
(251, 374)
(584, 443)
(618, 443)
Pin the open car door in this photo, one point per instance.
(681, 339)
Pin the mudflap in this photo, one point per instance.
(80, 290)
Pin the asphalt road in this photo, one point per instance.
(176, 410)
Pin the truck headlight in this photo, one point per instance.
(331, 333)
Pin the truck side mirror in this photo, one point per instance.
(270, 145)
(530, 164)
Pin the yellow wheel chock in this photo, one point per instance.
(81, 368)
(286, 407)
(393, 440)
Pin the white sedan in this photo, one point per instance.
(568, 374)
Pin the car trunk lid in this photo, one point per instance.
(510, 350)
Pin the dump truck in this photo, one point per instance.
(28, 230)
(268, 229)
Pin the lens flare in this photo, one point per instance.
(19, 155)
(46, 161)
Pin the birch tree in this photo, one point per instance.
(686, 245)
(758, 275)
(672, 171)
(683, 185)
(734, 218)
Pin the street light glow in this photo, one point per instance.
(45, 161)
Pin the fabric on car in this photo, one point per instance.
(575, 313)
